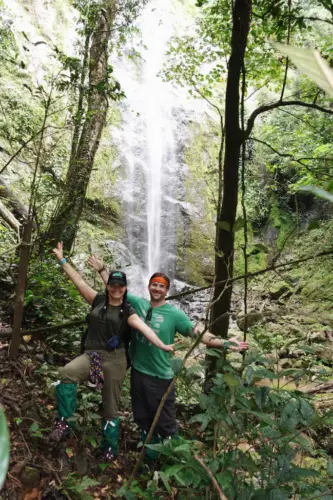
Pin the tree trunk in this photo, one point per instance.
(224, 257)
(20, 289)
(65, 222)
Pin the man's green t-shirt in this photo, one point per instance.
(166, 321)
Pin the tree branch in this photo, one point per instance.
(287, 59)
(52, 328)
(254, 274)
(278, 104)
(288, 155)
(212, 477)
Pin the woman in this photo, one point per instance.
(104, 358)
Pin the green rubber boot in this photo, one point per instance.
(66, 399)
(66, 406)
(151, 454)
(110, 437)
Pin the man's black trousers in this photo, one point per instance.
(146, 394)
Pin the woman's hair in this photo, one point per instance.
(122, 304)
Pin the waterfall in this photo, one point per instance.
(151, 141)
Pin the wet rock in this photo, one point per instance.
(272, 357)
(252, 318)
(278, 289)
(317, 336)
(286, 363)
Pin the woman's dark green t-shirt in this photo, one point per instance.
(104, 321)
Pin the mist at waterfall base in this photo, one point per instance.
(151, 140)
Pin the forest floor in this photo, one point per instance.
(40, 470)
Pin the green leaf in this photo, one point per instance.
(232, 380)
(299, 472)
(264, 417)
(176, 365)
(317, 192)
(312, 64)
(92, 441)
(261, 395)
(183, 447)
(329, 467)
(223, 224)
(4, 448)
(239, 224)
(307, 411)
(203, 418)
(264, 373)
(174, 470)
(315, 224)
(165, 482)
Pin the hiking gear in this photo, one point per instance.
(117, 277)
(156, 278)
(146, 395)
(66, 399)
(114, 372)
(62, 261)
(165, 321)
(155, 439)
(61, 431)
(160, 279)
(96, 374)
(104, 322)
(113, 342)
(110, 435)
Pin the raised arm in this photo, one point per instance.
(85, 290)
(135, 322)
(98, 265)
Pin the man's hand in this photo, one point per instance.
(169, 348)
(58, 252)
(96, 263)
(241, 346)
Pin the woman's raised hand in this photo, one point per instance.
(58, 251)
(96, 263)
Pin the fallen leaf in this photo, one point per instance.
(34, 494)
(50, 407)
(27, 338)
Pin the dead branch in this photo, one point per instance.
(212, 477)
(254, 274)
(319, 389)
(7, 333)
(9, 217)
(278, 104)
(16, 207)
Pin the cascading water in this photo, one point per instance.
(151, 143)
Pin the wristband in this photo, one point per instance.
(103, 269)
(62, 261)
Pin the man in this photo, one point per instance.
(151, 372)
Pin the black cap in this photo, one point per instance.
(117, 277)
